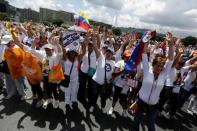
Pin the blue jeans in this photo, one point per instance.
(151, 116)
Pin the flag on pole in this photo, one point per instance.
(136, 56)
(83, 21)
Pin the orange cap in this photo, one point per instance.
(127, 53)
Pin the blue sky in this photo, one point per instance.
(177, 16)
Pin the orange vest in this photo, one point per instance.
(31, 68)
(14, 58)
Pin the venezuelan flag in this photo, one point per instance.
(83, 21)
(136, 56)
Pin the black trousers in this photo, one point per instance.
(164, 97)
(122, 97)
(174, 103)
(183, 96)
(85, 84)
(51, 88)
(105, 93)
(36, 90)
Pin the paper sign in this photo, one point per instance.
(71, 40)
(176, 89)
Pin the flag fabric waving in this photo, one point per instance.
(83, 21)
(136, 56)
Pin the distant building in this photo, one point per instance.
(4, 6)
(28, 14)
(50, 15)
(96, 23)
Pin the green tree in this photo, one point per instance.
(116, 31)
(190, 40)
(3, 15)
(47, 23)
(58, 22)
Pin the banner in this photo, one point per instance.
(71, 40)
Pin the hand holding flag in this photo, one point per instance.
(135, 59)
(83, 21)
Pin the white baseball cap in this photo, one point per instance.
(48, 46)
(111, 50)
(6, 39)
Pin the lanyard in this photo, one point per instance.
(154, 85)
(71, 69)
(89, 59)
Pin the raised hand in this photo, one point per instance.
(169, 38)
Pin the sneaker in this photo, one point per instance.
(91, 109)
(111, 111)
(170, 116)
(39, 103)
(46, 103)
(194, 111)
(56, 104)
(23, 98)
(124, 113)
(102, 109)
(33, 97)
(189, 112)
(159, 114)
(8, 97)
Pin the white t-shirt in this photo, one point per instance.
(74, 73)
(99, 75)
(85, 62)
(21, 37)
(189, 79)
(41, 54)
(2, 49)
(171, 74)
(151, 89)
(158, 51)
(120, 80)
(118, 55)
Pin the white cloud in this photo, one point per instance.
(192, 12)
(179, 16)
(34, 4)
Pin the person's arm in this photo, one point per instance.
(145, 63)
(95, 47)
(193, 67)
(16, 40)
(170, 42)
(21, 28)
(126, 43)
(52, 35)
(30, 32)
(177, 57)
(98, 40)
(63, 48)
(192, 60)
(82, 51)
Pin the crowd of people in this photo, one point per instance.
(164, 80)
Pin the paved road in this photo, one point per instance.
(16, 115)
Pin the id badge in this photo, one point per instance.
(176, 89)
(132, 83)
